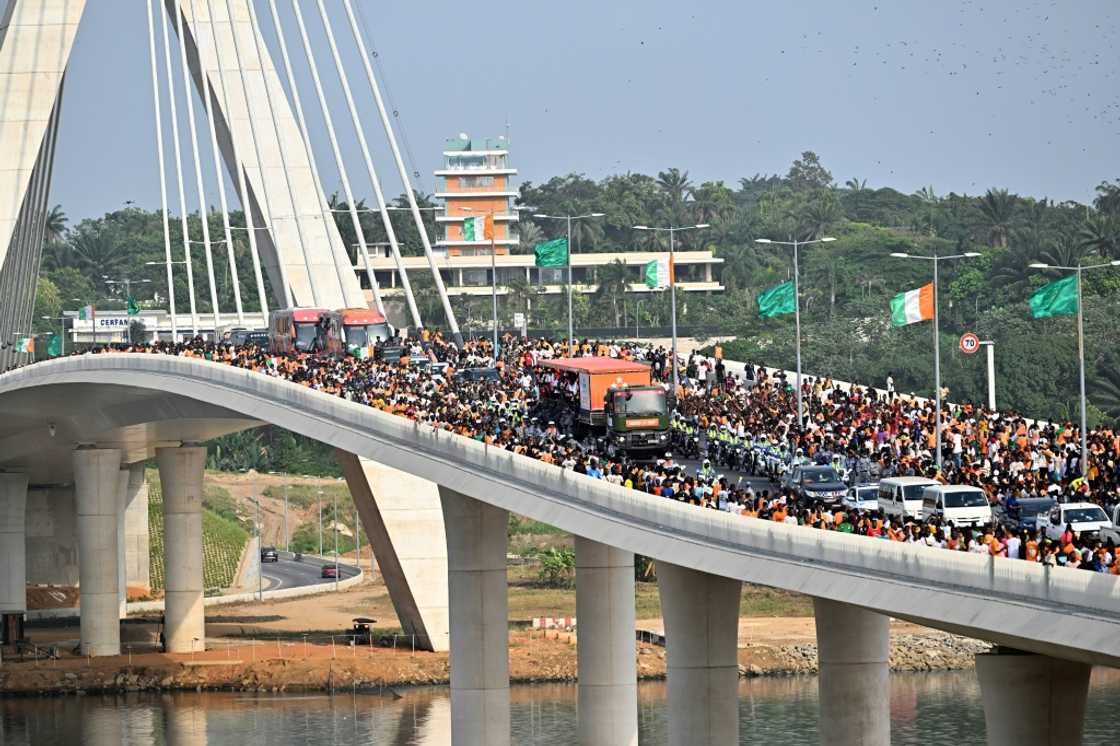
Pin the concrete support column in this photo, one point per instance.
(853, 650)
(122, 578)
(13, 553)
(608, 670)
(701, 613)
(180, 474)
(137, 540)
(476, 561)
(1032, 699)
(97, 498)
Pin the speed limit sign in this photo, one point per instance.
(970, 343)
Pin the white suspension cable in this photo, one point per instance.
(203, 210)
(237, 164)
(302, 120)
(386, 222)
(179, 172)
(269, 216)
(208, 107)
(162, 173)
(355, 221)
(417, 218)
(284, 167)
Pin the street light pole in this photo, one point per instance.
(334, 520)
(990, 352)
(936, 338)
(568, 219)
(671, 230)
(1079, 270)
(320, 523)
(797, 310)
(260, 542)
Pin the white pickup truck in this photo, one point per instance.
(1113, 531)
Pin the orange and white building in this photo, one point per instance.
(476, 181)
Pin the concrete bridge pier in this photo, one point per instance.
(97, 487)
(608, 670)
(701, 613)
(180, 475)
(136, 536)
(1032, 699)
(13, 552)
(853, 651)
(479, 616)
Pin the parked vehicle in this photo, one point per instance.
(1085, 518)
(816, 483)
(243, 337)
(269, 554)
(1030, 513)
(962, 504)
(329, 571)
(901, 497)
(862, 497)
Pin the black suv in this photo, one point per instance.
(816, 483)
(269, 554)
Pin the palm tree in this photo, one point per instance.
(56, 223)
(675, 183)
(1106, 389)
(530, 234)
(1108, 198)
(856, 184)
(95, 250)
(1101, 233)
(614, 279)
(1064, 252)
(997, 210)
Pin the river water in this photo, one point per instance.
(926, 709)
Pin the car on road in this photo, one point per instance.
(269, 554)
(862, 497)
(962, 504)
(816, 483)
(1030, 514)
(1085, 518)
(469, 375)
(901, 497)
(329, 571)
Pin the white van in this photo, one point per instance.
(959, 503)
(902, 496)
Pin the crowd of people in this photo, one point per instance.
(870, 433)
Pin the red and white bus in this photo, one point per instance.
(305, 330)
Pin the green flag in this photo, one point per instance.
(133, 307)
(1059, 298)
(776, 301)
(54, 346)
(552, 253)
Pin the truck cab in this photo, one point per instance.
(637, 417)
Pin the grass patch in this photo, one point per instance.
(223, 541)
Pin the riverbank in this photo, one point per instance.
(291, 664)
(300, 645)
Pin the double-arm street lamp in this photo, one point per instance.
(797, 309)
(672, 230)
(569, 219)
(936, 335)
(1078, 270)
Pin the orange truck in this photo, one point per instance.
(617, 400)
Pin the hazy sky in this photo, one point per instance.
(957, 94)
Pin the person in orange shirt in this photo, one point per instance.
(1031, 549)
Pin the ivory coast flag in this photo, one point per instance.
(478, 228)
(912, 306)
(659, 273)
(26, 345)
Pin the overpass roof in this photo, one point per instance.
(594, 365)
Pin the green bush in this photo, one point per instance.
(558, 567)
